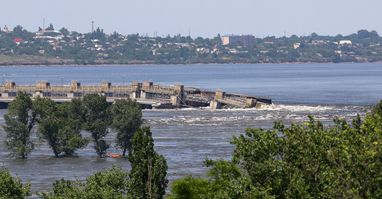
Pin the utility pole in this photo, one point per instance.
(43, 24)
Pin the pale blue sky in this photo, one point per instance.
(202, 17)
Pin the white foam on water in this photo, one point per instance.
(296, 108)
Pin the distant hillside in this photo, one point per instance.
(50, 46)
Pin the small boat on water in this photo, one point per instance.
(114, 155)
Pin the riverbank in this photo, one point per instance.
(29, 60)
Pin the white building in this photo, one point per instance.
(296, 45)
(345, 42)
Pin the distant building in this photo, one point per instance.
(6, 28)
(49, 35)
(244, 40)
(345, 42)
(296, 45)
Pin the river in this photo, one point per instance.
(187, 136)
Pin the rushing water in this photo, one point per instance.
(187, 136)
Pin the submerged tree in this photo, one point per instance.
(59, 126)
(127, 118)
(71, 118)
(97, 120)
(11, 187)
(148, 168)
(19, 122)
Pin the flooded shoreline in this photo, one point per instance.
(186, 137)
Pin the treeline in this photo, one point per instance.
(60, 125)
(303, 160)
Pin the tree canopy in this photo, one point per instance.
(304, 160)
(107, 184)
(97, 120)
(19, 121)
(148, 168)
(11, 187)
(127, 118)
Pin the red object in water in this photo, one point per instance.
(18, 40)
(113, 155)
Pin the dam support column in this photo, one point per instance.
(175, 101)
(215, 105)
(136, 93)
(179, 98)
(250, 103)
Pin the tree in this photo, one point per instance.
(11, 187)
(48, 124)
(50, 27)
(19, 122)
(71, 120)
(59, 126)
(148, 168)
(64, 31)
(190, 188)
(110, 183)
(97, 120)
(127, 118)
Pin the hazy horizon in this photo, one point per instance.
(197, 17)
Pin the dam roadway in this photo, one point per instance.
(148, 94)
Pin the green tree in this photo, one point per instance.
(190, 188)
(48, 123)
(108, 184)
(19, 122)
(71, 119)
(59, 126)
(97, 120)
(64, 31)
(148, 168)
(11, 187)
(50, 27)
(127, 118)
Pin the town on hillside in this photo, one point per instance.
(60, 46)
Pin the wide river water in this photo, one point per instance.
(187, 136)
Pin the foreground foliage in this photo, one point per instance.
(11, 187)
(300, 161)
(148, 168)
(112, 183)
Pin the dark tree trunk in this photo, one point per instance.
(124, 148)
(55, 152)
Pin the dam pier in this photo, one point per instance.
(148, 94)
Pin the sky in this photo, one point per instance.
(205, 18)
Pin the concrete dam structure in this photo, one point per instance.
(148, 94)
